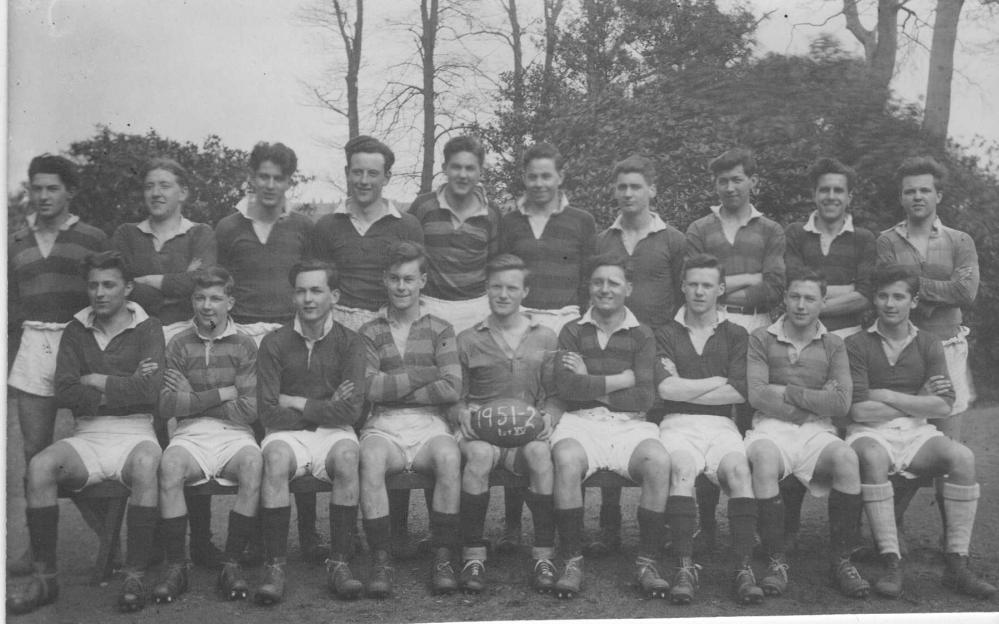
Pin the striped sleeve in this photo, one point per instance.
(445, 353)
(385, 386)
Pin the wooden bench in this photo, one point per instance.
(115, 498)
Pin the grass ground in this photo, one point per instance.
(607, 594)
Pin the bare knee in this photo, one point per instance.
(962, 463)
(171, 469)
(478, 458)
(345, 461)
(276, 463)
(251, 469)
(736, 473)
(447, 460)
(538, 456)
(764, 458)
(145, 462)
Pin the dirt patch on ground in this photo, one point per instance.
(607, 594)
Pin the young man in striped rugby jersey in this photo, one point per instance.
(799, 383)
(605, 379)
(210, 387)
(412, 376)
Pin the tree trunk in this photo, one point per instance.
(352, 46)
(936, 118)
(516, 37)
(880, 43)
(430, 15)
(552, 10)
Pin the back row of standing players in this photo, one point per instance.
(462, 232)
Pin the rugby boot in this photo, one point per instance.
(959, 577)
(382, 575)
(890, 583)
(685, 583)
(232, 582)
(747, 592)
(341, 581)
(848, 579)
(42, 589)
(174, 583)
(774, 583)
(472, 579)
(442, 577)
(271, 591)
(650, 581)
(543, 578)
(132, 595)
(571, 581)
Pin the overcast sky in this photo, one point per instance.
(235, 68)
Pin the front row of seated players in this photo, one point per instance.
(593, 391)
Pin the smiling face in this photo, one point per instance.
(506, 291)
(633, 193)
(211, 306)
(609, 288)
(832, 196)
(735, 188)
(463, 172)
(49, 196)
(894, 303)
(366, 177)
(919, 197)
(804, 302)
(108, 291)
(542, 181)
(164, 194)
(270, 184)
(403, 282)
(313, 296)
(701, 289)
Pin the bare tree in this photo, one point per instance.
(881, 42)
(430, 22)
(336, 18)
(553, 9)
(936, 117)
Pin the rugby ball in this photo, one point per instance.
(507, 422)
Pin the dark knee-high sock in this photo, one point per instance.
(844, 522)
(542, 508)
(343, 520)
(570, 531)
(708, 494)
(141, 524)
(43, 523)
(275, 522)
(445, 530)
(239, 534)
(379, 533)
(742, 517)
(793, 493)
(610, 509)
(652, 531)
(473, 520)
(770, 524)
(199, 515)
(305, 505)
(399, 511)
(173, 532)
(513, 505)
(681, 513)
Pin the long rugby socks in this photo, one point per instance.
(241, 531)
(742, 517)
(43, 525)
(513, 506)
(445, 529)
(792, 492)
(305, 505)
(199, 516)
(141, 524)
(570, 531)
(173, 532)
(879, 503)
(379, 533)
(343, 519)
(960, 505)
(473, 520)
(275, 522)
(770, 524)
(708, 494)
(652, 531)
(542, 508)
(844, 522)
(681, 514)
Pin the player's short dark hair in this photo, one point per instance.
(507, 262)
(105, 260)
(365, 144)
(610, 259)
(806, 274)
(732, 159)
(703, 261)
(277, 153)
(406, 251)
(636, 163)
(214, 276)
(540, 151)
(890, 273)
(922, 165)
(55, 165)
(825, 165)
(305, 266)
(168, 164)
(465, 143)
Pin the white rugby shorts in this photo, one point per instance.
(901, 438)
(799, 446)
(608, 438)
(33, 370)
(105, 442)
(311, 448)
(212, 443)
(553, 319)
(707, 438)
(408, 428)
(461, 314)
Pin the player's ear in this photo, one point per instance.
(230, 302)
(335, 295)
